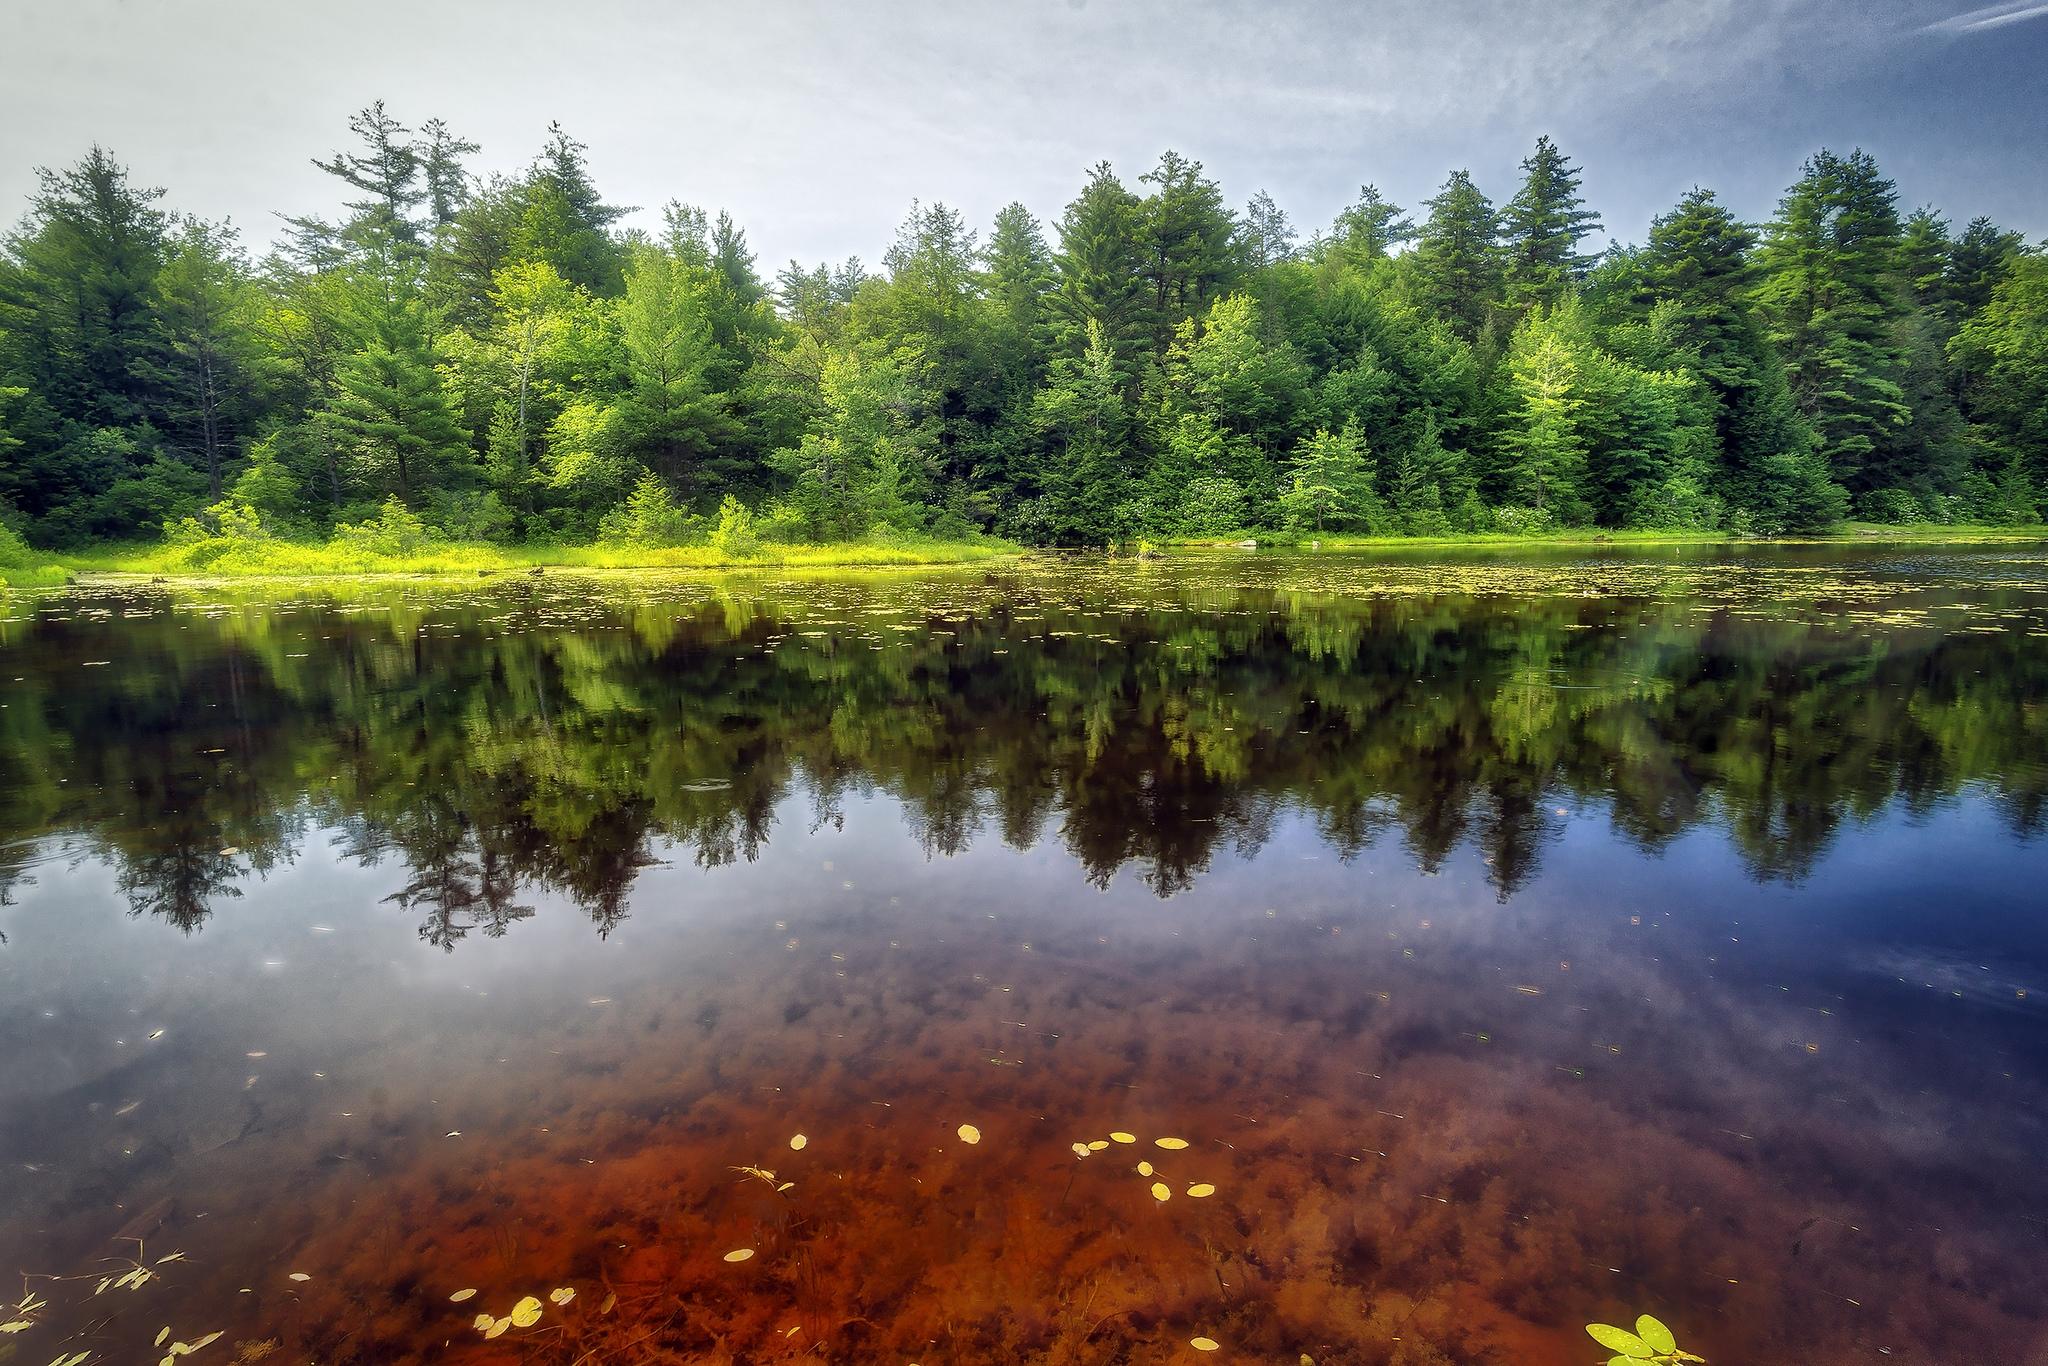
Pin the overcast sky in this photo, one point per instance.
(817, 122)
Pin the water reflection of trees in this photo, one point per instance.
(516, 742)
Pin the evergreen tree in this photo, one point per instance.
(1541, 229)
(565, 222)
(1188, 238)
(1101, 264)
(212, 367)
(1330, 484)
(671, 418)
(1084, 474)
(1545, 437)
(446, 183)
(1265, 236)
(1457, 265)
(1698, 265)
(386, 170)
(1369, 229)
(1981, 258)
(1829, 295)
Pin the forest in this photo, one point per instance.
(468, 359)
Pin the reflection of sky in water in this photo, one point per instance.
(853, 970)
(1750, 1034)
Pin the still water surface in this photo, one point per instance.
(1511, 944)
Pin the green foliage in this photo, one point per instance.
(500, 357)
(1330, 485)
(647, 517)
(734, 536)
(395, 532)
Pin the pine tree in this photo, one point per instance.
(1369, 229)
(1982, 256)
(1188, 237)
(565, 221)
(1698, 265)
(1829, 296)
(212, 363)
(671, 417)
(446, 188)
(1101, 265)
(1925, 257)
(1265, 236)
(1541, 229)
(1329, 485)
(1084, 475)
(1456, 264)
(386, 170)
(1546, 440)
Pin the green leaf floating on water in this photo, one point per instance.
(1619, 1340)
(1656, 1334)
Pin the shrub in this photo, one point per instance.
(395, 532)
(14, 552)
(1209, 506)
(1895, 506)
(647, 517)
(1524, 521)
(227, 526)
(734, 536)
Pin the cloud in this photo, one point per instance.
(1991, 16)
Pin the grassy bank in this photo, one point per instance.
(1849, 533)
(292, 559)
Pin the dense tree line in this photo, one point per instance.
(502, 358)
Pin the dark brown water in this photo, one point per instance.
(1512, 945)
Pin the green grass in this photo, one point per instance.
(1847, 533)
(35, 576)
(293, 559)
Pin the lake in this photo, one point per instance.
(1400, 960)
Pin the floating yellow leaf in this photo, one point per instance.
(1144, 1169)
(498, 1328)
(739, 1254)
(1201, 1189)
(1122, 1137)
(160, 1337)
(1171, 1144)
(482, 1323)
(526, 1313)
(969, 1134)
(1160, 1192)
(1080, 1150)
(799, 1143)
(1204, 1344)
(23, 1325)
(300, 1276)
(562, 1296)
(459, 1296)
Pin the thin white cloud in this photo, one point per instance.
(1991, 16)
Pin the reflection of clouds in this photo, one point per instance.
(1405, 1144)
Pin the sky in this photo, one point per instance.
(817, 123)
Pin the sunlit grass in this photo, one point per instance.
(292, 559)
(1855, 532)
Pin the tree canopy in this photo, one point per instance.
(508, 360)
